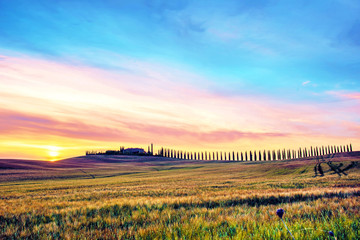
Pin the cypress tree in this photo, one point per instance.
(284, 154)
(350, 147)
(264, 155)
(255, 156)
(251, 156)
(242, 156)
(237, 156)
(260, 155)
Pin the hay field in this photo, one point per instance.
(99, 197)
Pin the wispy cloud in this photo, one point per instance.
(44, 99)
(345, 95)
(306, 83)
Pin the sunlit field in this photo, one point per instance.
(98, 197)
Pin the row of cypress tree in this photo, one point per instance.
(264, 155)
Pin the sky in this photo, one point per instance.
(188, 75)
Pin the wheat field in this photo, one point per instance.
(157, 199)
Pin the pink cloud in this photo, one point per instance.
(345, 95)
(35, 125)
(27, 124)
(355, 95)
(219, 136)
(151, 102)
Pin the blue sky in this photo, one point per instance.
(204, 73)
(250, 46)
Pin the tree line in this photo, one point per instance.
(261, 155)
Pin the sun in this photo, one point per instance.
(53, 151)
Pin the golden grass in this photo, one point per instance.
(191, 201)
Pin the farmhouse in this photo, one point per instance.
(133, 151)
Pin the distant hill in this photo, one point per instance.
(108, 165)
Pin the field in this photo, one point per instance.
(99, 197)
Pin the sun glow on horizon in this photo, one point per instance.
(53, 152)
